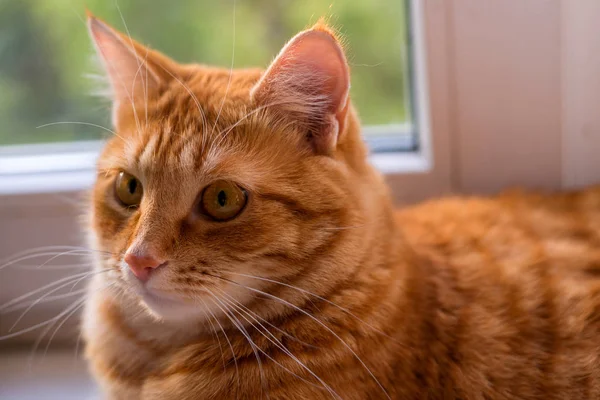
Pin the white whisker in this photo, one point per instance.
(60, 325)
(129, 94)
(214, 330)
(69, 279)
(140, 65)
(279, 345)
(223, 133)
(56, 267)
(193, 97)
(81, 123)
(49, 248)
(270, 324)
(46, 300)
(33, 256)
(68, 311)
(317, 296)
(318, 322)
(145, 84)
(69, 315)
(237, 372)
(230, 74)
(39, 325)
(243, 331)
(76, 252)
(77, 280)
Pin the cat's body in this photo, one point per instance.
(500, 300)
(340, 295)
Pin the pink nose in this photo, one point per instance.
(142, 265)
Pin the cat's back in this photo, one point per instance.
(513, 228)
(506, 293)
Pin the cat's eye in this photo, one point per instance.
(128, 189)
(223, 200)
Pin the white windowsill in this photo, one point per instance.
(401, 163)
(75, 180)
(66, 167)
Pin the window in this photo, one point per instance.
(47, 76)
(45, 65)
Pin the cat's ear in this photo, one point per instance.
(136, 73)
(309, 81)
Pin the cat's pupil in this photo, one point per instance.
(222, 198)
(132, 186)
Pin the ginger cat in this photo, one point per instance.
(253, 252)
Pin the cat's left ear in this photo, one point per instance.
(136, 73)
(309, 82)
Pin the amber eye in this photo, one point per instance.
(223, 200)
(129, 189)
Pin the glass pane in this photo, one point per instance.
(45, 53)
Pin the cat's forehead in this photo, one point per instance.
(203, 126)
(208, 93)
(198, 153)
(174, 150)
(192, 120)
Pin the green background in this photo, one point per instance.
(46, 55)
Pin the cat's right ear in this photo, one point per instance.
(309, 82)
(136, 74)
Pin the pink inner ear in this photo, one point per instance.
(318, 55)
(309, 82)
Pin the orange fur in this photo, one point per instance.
(468, 298)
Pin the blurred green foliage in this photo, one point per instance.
(45, 52)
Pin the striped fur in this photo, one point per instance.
(341, 295)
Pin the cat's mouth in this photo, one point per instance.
(149, 294)
(160, 298)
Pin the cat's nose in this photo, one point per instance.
(142, 265)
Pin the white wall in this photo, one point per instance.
(519, 87)
(580, 53)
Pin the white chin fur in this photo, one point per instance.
(163, 307)
(172, 310)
